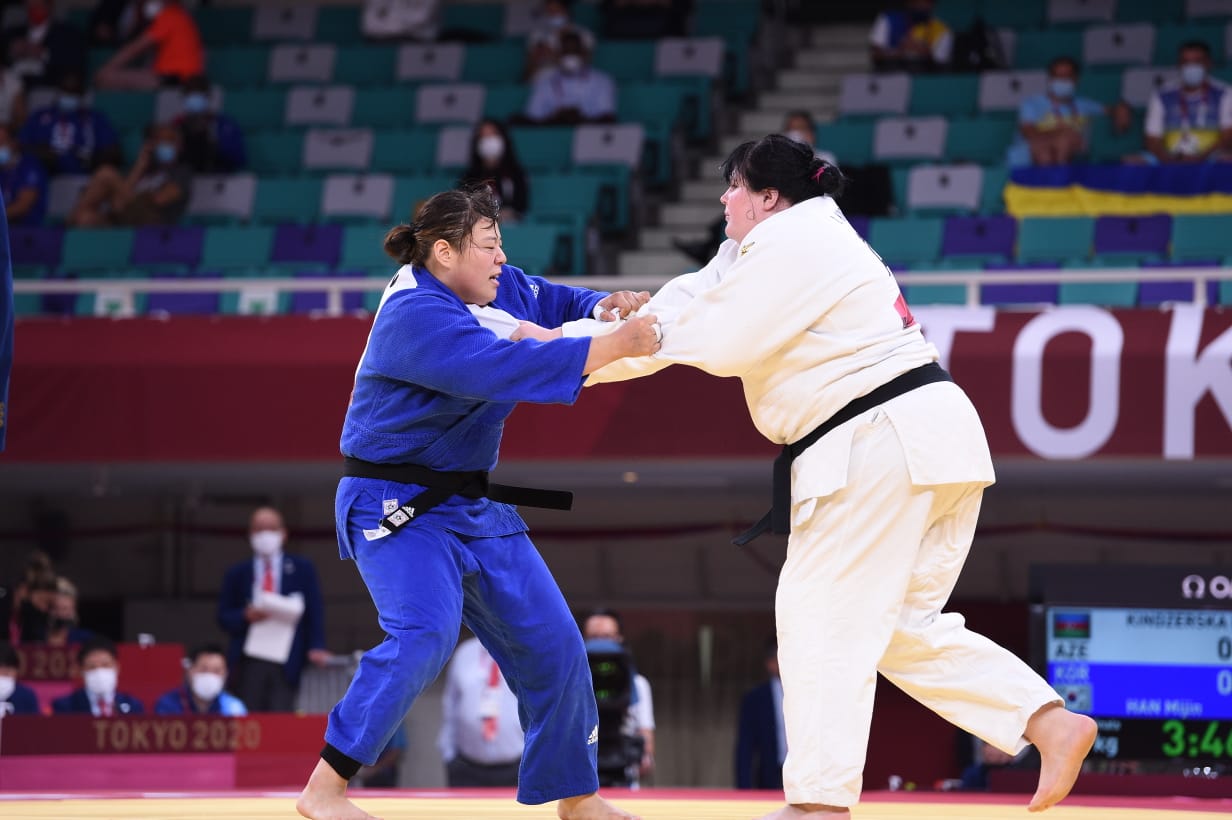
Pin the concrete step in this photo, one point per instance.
(654, 263)
(660, 239)
(824, 60)
(708, 187)
(840, 37)
(784, 101)
(795, 79)
(688, 214)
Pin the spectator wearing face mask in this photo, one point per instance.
(213, 142)
(1054, 127)
(494, 162)
(543, 41)
(15, 699)
(155, 191)
(911, 39)
(178, 54)
(202, 692)
(1190, 121)
(267, 685)
(100, 671)
(22, 181)
(572, 91)
(69, 136)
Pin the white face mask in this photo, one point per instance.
(207, 685)
(152, 8)
(266, 542)
(101, 683)
(491, 147)
(572, 63)
(7, 686)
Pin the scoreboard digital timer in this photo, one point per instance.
(1145, 651)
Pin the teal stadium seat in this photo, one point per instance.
(737, 22)
(1020, 14)
(850, 142)
(1168, 40)
(531, 246)
(982, 140)
(366, 64)
(1148, 11)
(223, 25)
(543, 149)
(338, 24)
(287, 199)
(411, 191)
(1101, 83)
(494, 63)
(628, 61)
(1106, 294)
(953, 95)
(232, 248)
(484, 21)
(255, 108)
(1055, 239)
(1037, 48)
(1200, 237)
(912, 241)
(95, 251)
(992, 197)
(503, 101)
(275, 152)
(238, 66)
(960, 14)
(126, 109)
(363, 248)
(404, 151)
(1108, 146)
(384, 106)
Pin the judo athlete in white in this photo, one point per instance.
(883, 506)
(417, 515)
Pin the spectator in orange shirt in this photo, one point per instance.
(179, 55)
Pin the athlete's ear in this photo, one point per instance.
(770, 198)
(442, 251)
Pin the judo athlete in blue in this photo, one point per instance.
(416, 514)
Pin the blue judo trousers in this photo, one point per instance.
(433, 388)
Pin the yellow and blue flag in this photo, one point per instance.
(1120, 190)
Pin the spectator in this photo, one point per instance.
(572, 91)
(761, 744)
(178, 53)
(154, 192)
(15, 699)
(69, 136)
(213, 142)
(418, 20)
(644, 19)
(1190, 121)
(43, 48)
(384, 773)
(62, 629)
(912, 39)
(202, 692)
(605, 625)
(481, 737)
(494, 162)
(115, 22)
(32, 600)
(543, 41)
(268, 685)
(100, 671)
(1054, 128)
(23, 182)
(12, 98)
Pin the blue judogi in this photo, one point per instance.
(434, 388)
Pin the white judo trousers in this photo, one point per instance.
(868, 571)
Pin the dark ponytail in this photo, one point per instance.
(449, 215)
(787, 166)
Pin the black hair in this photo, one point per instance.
(1195, 45)
(449, 215)
(787, 166)
(205, 649)
(97, 644)
(8, 655)
(1056, 61)
(603, 612)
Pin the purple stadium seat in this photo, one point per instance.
(1133, 234)
(987, 236)
(35, 245)
(308, 301)
(1021, 294)
(307, 243)
(1152, 294)
(202, 303)
(168, 245)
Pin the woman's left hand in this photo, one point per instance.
(622, 303)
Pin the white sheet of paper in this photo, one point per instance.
(270, 639)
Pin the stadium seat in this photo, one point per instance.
(530, 246)
(608, 145)
(543, 149)
(1021, 14)
(945, 187)
(357, 196)
(1148, 11)
(1055, 240)
(1169, 38)
(236, 247)
(1101, 83)
(168, 245)
(453, 146)
(218, 197)
(299, 244)
(909, 138)
(913, 241)
(850, 142)
(126, 109)
(493, 63)
(287, 199)
(1139, 237)
(1200, 236)
(1105, 294)
(301, 63)
(689, 57)
(319, 105)
(1207, 8)
(317, 301)
(338, 149)
(1037, 48)
(874, 94)
(1138, 84)
(418, 62)
(475, 21)
(1043, 293)
(1081, 11)
(383, 107)
(62, 194)
(275, 152)
(404, 151)
(410, 192)
(367, 64)
(503, 101)
(983, 140)
(220, 25)
(338, 24)
(363, 248)
(238, 66)
(449, 103)
(256, 108)
(626, 60)
(1127, 44)
(980, 239)
(946, 94)
(35, 245)
(1154, 294)
(183, 303)
(96, 249)
(992, 198)
(284, 22)
(255, 298)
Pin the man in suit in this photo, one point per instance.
(760, 744)
(100, 671)
(265, 685)
(15, 699)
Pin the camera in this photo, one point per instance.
(620, 749)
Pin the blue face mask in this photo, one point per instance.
(1061, 88)
(196, 104)
(6, 154)
(164, 152)
(68, 102)
(1193, 74)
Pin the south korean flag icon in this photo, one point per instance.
(1077, 696)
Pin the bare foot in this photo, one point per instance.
(530, 330)
(590, 807)
(809, 811)
(324, 798)
(1063, 739)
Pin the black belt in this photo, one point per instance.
(440, 485)
(778, 520)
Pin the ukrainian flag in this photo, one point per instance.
(1120, 190)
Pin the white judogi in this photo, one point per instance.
(884, 507)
